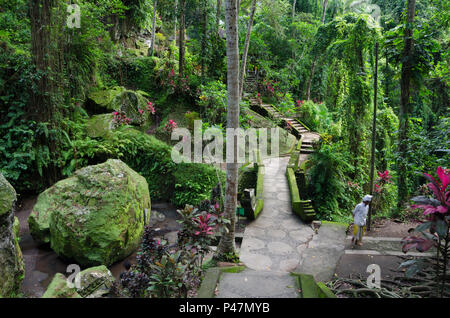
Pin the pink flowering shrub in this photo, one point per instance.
(151, 108)
(380, 191)
(120, 118)
(170, 126)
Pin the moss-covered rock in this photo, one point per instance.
(7, 196)
(95, 217)
(118, 99)
(100, 125)
(95, 282)
(59, 288)
(12, 271)
(105, 97)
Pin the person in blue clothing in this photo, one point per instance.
(359, 219)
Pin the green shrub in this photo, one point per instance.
(285, 103)
(180, 183)
(145, 154)
(318, 118)
(248, 176)
(326, 181)
(213, 102)
(194, 182)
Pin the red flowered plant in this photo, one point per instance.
(258, 98)
(121, 118)
(299, 103)
(435, 229)
(384, 177)
(379, 189)
(150, 108)
(170, 126)
(441, 201)
(205, 225)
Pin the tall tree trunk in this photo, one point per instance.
(182, 32)
(175, 22)
(313, 66)
(204, 35)
(324, 11)
(293, 9)
(218, 14)
(226, 244)
(374, 133)
(152, 47)
(405, 84)
(46, 96)
(246, 46)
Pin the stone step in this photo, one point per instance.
(381, 246)
(305, 151)
(257, 284)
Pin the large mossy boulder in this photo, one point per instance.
(96, 216)
(12, 269)
(133, 104)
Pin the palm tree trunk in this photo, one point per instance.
(175, 22)
(324, 10)
(313, 66)
(152, 47)
(226, 244)
(293, 9)
(405, 84)
(181, 41)
(218, 13)
(203, 46)
(246, 46)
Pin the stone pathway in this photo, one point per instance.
(275, 240)
(383, 251)
(278, 242)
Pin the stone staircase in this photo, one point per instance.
(269, 110)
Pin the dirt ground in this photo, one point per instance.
(391, 228)
(355, 265)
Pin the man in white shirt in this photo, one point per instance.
(359, 219)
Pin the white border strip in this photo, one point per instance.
(386, 253)
(372, 238)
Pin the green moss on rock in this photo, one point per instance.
(100, 125)
(120, 99)
(7, 196)
(96, 282)
(105, 97)
(12, 271)
(95, 217)
(59, 288)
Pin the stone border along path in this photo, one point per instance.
(278, 242)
